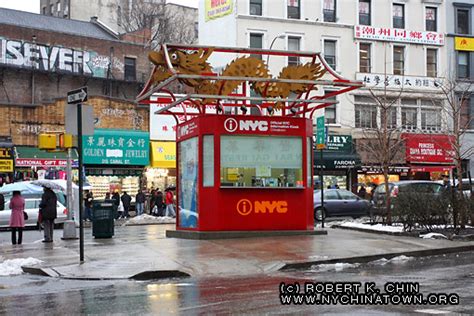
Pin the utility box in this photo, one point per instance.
(47, 141)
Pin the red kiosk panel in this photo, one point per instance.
(245, 173)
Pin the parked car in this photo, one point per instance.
(399, 188)
(32, 208)
(339, 202)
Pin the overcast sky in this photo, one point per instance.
(33, 5)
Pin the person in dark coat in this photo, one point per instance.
(48, 209)
(2, 202)
(116, 199)
(159, 203)
(126, 201)
(140, 202)
(88, 203)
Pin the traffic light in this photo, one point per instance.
(65, 141)
(47, 141)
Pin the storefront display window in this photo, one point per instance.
(101, 185)
(261, 161)
(159, 178)
(188, 185)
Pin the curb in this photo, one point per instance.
(365, 259)
(142, 276)
(210, 235)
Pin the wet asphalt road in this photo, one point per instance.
(259, 294)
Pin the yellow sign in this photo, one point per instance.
(244, 207)
(163, 154)
(233, 177)
(6, 165)
(464, 43)
(218, 8)
(5, 152)
(320, 146)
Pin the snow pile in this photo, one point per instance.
(13, 266)
(398, 259)
(149, 219)
(433, 236)
(377, 227)
(330, 223)
(334, 266)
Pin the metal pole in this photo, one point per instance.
(69, 228)
(321, 178)
(81, 181)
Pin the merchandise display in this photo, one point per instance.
(104, 184)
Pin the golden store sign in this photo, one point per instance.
(464, 43)
(6, 165)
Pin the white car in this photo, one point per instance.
(31, 207)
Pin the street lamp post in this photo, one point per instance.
(282, 36)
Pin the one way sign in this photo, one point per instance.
(77, 96)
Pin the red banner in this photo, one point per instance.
(429, 148)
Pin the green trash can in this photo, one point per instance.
(103, 219)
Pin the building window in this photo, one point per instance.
(58, 6)
(256, 41)
(130, 69)
(399, 16)
(293, 9)
(330, 111)
(44, 10)
(462, 21)
(430, 19)
(409, 118)
(364, 58)
(463, 65)
(431, 62)
(430, 120)
(51, 9)
(391, 116)
(365, 112)
(330, 53)
(467, 113)
(119, 15)
(329, 11)
(364, 12)
(398, 60)
(293, 45)
(255, 7)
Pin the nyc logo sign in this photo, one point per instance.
(232, 125)
(244, 207)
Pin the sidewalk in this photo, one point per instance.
(145, 249)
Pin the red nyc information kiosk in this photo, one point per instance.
(239, 172)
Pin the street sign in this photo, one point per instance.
(70, 119)
(77, 96)
(320, 133)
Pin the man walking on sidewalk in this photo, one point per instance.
(140, 202)
(169, 204)
(126, 201)
(48, 209)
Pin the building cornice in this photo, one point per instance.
(292, 21)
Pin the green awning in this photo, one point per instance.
(337, 160)
(23, 152)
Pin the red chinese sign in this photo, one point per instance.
(398, 35)
(428, 148)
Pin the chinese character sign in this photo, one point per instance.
(117, 147)
(399, 82)
(398, 35)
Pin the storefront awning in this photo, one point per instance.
(163, 154)
(337, 160)
(34, 157)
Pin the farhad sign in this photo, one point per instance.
(55, 58)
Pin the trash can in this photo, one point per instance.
(103, 219)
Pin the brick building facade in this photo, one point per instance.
(44, 57)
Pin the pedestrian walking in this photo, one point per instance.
(116, 203)
(48, 210)
(140, 202)
(107, 196)
(159, 202)
(88, 202)
(126, 201)
(17, 217)
(169, 204)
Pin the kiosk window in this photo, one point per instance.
(261, 161)
(208, 161)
